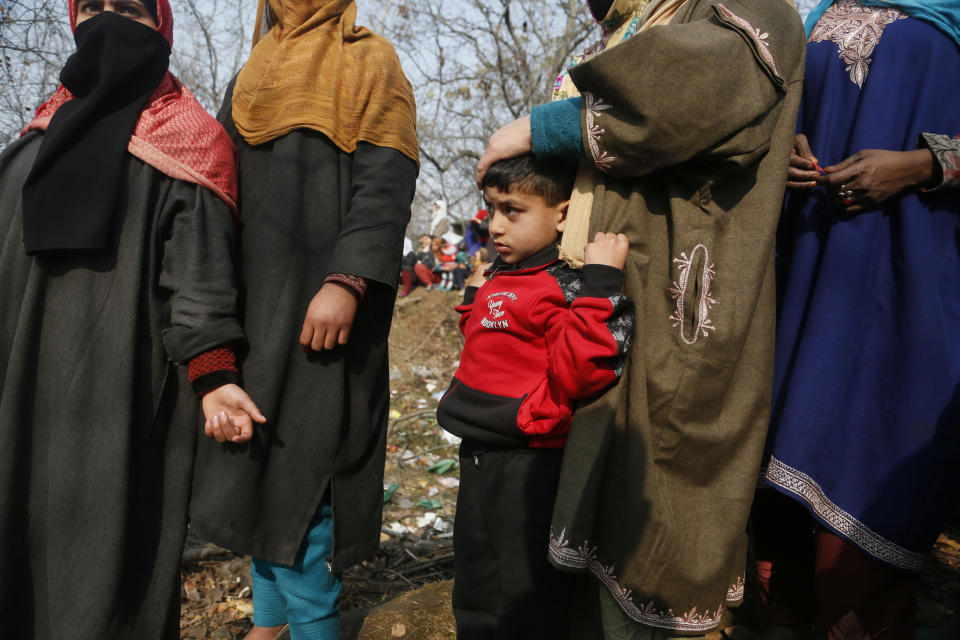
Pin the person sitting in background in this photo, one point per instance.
(448, 266)
(477, 233)
(464, 266)
(412, 270)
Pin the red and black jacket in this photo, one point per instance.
(539, 336)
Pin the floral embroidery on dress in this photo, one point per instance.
(808, 490)
(609, 29)
(735, 591)
(856, 29)
(946, 152)
(760, 39)
(585, 557)
(558, 93)
(594, 108)
(704, 325)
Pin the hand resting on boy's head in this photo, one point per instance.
(607, 248)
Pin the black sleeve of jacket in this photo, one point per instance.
(370, 242)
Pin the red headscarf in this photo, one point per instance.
(174, 134)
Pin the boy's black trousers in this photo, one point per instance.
(504, 587)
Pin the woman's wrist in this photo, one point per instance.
(920, 168)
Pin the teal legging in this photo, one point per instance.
(307, 595)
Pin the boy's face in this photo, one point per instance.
(521, 224)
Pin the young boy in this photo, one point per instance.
(539, 336)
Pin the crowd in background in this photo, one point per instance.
(445, 262)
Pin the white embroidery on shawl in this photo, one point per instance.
(704, 325)
(856, 29)
(594, 109)
(807, 489)
(735, 591)
(760, 39)
(585, 557)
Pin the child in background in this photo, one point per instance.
(448, 264)
(539, 336)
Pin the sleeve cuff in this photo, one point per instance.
(600, 281)
(555, 129)
(356, 284)
(213, 368)
(946, 160)
(209, 382)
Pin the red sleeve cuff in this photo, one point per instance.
(356, 283)
(213, 368)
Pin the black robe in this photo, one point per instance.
(309, 209)
(97, 423)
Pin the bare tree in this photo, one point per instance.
(34, 42)
(475, 65)
(212, 41)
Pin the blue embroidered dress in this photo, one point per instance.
(866, 413)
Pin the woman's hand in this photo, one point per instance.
(230, 414)
(508, 142)
(329, 318)
(802, 174)
(869, 177)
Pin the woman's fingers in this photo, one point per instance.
(842, 179)
(217, 429)
(249, 407)
(802, 146)
(319, 339)
(306, 336)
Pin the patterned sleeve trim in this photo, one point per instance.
(946, 153)
(212, 369)
(356, 284)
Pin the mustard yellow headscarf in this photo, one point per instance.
(312, 67)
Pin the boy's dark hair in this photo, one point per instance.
(550, 179)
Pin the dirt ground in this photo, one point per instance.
(415, 564)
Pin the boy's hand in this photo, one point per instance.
(476, 278)
(607, 248)
(329, 318)
(230, 414)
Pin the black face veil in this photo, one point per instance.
(599, 8)
(71, 195)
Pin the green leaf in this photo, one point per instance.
(389, 492)
(443, 466)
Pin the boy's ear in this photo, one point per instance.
(562, 210)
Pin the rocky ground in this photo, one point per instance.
(404, 591)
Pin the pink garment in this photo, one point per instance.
(174, 134)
